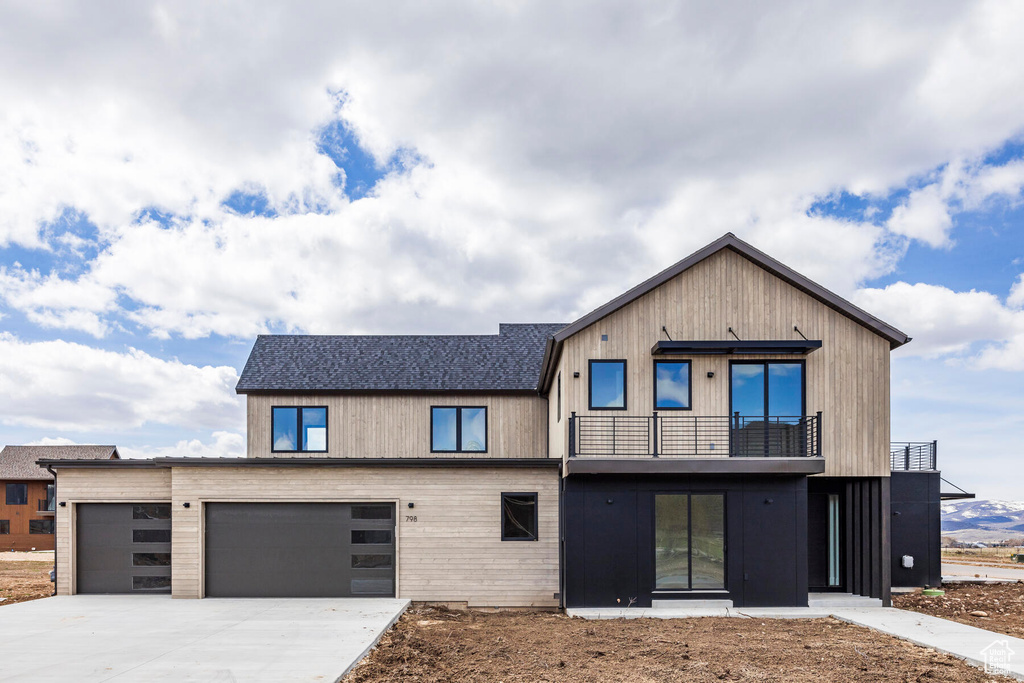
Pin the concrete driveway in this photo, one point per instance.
(154, 638)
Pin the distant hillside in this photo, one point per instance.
(982, 520)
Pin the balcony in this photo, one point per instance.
(694, 436)
(45, 505)
(908, 456)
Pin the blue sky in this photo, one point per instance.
(174, 181)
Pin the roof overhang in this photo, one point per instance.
(895, 337)
(780, 346)
(155, 463)
(784, 466)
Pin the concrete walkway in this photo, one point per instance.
(154, 638)
(960, 640)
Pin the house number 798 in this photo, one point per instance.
(410, 518)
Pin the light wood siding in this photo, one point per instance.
(99, 486)
(389, 426)
(452, 552)
(847, 379)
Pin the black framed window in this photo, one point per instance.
(672, 390)
(607, 384)
(689, 530)
(767, 402)
(17, 494)
(559, 395)
(299, 429)
(40, 526)
(5, 526)
(51, 490)
(519, 516)
(461, 429)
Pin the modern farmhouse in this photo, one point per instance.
(719, 432)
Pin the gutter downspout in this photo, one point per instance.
(49, 468)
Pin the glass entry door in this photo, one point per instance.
(766, 405)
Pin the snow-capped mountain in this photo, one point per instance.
(983, 520)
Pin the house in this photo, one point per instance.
(719, 432)
(27, 506)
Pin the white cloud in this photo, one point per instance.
(224, 445)
(52, 441)
(570, 152)
(72, 387)
(944, 322)
(1016, 298)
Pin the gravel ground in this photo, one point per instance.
(430, 644)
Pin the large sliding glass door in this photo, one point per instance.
(767, 408)
(689, 545)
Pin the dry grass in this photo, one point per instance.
(999, 556)
(24, 580)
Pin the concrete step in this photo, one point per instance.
(848, 600)
(691, 604)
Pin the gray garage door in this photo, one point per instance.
(124, 548)
(301, 550)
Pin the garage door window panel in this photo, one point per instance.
(371, 537)
(151, 535)
(151, 559)
(296, 429)
(156, 511)
(152, 583)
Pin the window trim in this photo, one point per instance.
(298, 429)
(765, 363)
(7, 493)
(46, 521)
(559, 396)
(689, 493)
(536, 516)
(590, 383)
(689, 382)
(458, 428)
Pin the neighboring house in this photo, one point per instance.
(27, 503)
(719, 432)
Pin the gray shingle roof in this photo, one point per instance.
(19, 462)
(507, 361)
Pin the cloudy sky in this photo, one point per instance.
(176, 178)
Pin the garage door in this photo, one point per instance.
(300, 550)
(123, 548)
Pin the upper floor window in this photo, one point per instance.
(607, 385)
(671, 385)
(17, 494)
(5, 526)
(299, 429)
(458, 430)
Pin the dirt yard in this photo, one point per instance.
(25, 576)
(438, 645)
(1000, 556)
(1003, 605)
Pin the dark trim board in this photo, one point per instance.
(609, 539)
(734, 347)
(734, 466)
(504, 463)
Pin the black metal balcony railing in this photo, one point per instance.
(46, 505)
(913, 455)
(693, 436)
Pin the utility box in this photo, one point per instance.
(908, 561)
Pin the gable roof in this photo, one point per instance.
(19, 462)
(895, 337)
(505, 362)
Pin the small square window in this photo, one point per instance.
(607, 385)
(40, 526)
(5, 526)
(519, 516)
(299, 429)
(458, 429)
(672, 385)
(17, 494)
